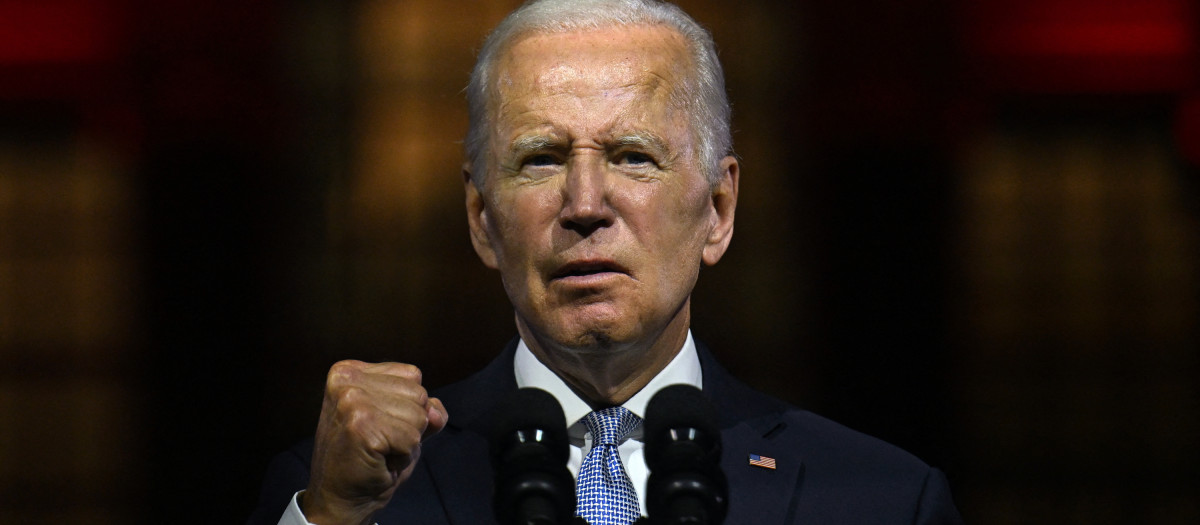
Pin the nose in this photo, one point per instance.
(585, 197)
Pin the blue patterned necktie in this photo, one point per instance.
(605, 494)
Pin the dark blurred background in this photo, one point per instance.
(969, 228)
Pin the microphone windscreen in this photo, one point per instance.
(683, 452)
(679, 406)
(530, 409)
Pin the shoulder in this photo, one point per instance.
(826, 444)
(825, 447)
(829, 473)
(821, 441)
(832, 473)
(826, 472)
(865, 476)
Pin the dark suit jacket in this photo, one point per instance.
(826, 473)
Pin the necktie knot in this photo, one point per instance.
(604, 491)
(610, 426)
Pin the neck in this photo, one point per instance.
(609, 375)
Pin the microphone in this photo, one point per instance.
(683, 452)
(529, 455)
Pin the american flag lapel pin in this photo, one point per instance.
(762, 461)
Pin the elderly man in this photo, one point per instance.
(599, 178)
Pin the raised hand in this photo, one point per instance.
(368, 441)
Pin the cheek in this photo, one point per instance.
(683, 216)
(500, 227)
(672, 229)
(524, 219)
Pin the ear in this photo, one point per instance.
(477, 220)
(724, 203)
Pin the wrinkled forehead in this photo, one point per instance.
(583, 62)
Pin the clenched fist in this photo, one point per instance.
(373, 420)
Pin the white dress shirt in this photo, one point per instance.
(530, 372)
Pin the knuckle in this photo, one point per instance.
(420, 395)
(375, 441)
(409, 371)
(411, 437)
(357, 420)
(349, 399)
(344, 372)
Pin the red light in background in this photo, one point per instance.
(63, 50)
(1085, 46)
(1187, 128)
(1093, 38)
(39, 32)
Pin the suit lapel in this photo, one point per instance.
(464, 486)
(750, 422)
(758, 494)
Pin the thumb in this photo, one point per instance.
(437, 417)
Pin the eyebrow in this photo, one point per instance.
(643, 140)
(531, 143)
(525, 145)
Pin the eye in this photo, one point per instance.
(635, 158)
(543, 159)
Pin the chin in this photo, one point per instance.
(594, 339)
(591, 329)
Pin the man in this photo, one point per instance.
(599, 178)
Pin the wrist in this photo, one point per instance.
(325, 511)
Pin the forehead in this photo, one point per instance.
(591, 62)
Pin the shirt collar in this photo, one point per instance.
(530, 372)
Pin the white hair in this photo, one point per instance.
(702, 94)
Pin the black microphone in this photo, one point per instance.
(529, 455)
(683, 452)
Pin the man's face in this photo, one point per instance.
(594, 207)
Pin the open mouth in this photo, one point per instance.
(587, 268)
